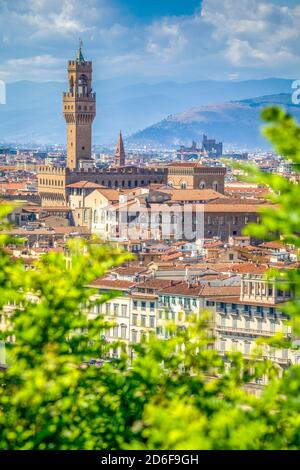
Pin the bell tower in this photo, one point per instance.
(79, 108)
(120, 152)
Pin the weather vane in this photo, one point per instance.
(80, 43)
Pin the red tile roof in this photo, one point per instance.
(84, 184)
(112, 284)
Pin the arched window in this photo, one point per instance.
(174, 219)
(123, 331)
(109, 184)
(202, 185)
(215, 186)
(71, 85)
(116, 184)
(83, 85)
(183, 185)
(95, 216)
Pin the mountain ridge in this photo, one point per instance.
(237, 123)
(33, 112)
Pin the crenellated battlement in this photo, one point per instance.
(54, 170)
(90, 97)
(131, 170)
(119, 171)
(82, 67)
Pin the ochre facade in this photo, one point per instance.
(196, 176)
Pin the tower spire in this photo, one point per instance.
(120, 152)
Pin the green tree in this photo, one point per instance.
(174, 394)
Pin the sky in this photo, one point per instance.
(151, 40)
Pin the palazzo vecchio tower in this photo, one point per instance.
(79, 108)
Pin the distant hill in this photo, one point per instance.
(33, 112)
(236, 123)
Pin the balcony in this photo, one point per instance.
(278, 360)
(245, 331)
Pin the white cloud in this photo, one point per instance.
(165, 39)
(255, 33)
(42, 68)
(245, 38)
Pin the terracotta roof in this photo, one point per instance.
(248, 268)
(55, 208)
(56, 230)
(112, 284)
(245, 237)
(192, 165)
(183, 288)
(213, 244)
(171, 256)
(84, 184)
(212, 291)
(156, 284)
(193, 194)
(109, 193)
(272, 245)
(13, 186)
(183, 165)
(201, 290)
(129, 270)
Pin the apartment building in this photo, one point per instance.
(181, 302)
(115, 311)
(256, 312)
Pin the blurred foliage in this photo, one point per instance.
(167, 394)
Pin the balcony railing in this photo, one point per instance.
(279, 360)
(250, 331)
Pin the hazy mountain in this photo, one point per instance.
(34, 110)
(236, 123)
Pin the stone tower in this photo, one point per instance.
(120, 152)
(79, 107)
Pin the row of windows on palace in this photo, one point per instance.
(146, 322)
(115, 310)
(122, 329)
(235, 346)
(225, 345)
(109, 183)
(256, 288)
(202, 185)
(187, 303)
(146, 218)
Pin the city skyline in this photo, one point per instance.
(131, 41)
